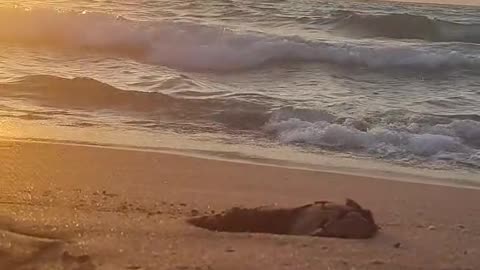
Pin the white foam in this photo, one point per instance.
(436, 142)
(466, 130)
(206, 47)
(431, 144)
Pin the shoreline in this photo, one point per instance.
(241, 158)
(123, 209)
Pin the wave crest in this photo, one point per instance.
(88, 94)
(199, 47)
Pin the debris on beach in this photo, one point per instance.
(322, 218)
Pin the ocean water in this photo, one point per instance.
(386, 82)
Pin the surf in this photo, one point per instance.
(395, 135)
(211, 48)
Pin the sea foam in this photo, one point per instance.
(397, 140)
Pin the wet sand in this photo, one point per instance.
(81, 207)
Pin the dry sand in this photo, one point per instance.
(85, 208)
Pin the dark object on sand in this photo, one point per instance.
(321, 218)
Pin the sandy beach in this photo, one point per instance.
(240, 135)
(83, 207)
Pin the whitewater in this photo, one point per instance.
(392, 83)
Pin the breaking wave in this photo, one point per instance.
(407, 26)
(197, 47)
(394, 135)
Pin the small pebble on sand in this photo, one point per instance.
(432, 228)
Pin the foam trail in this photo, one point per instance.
(210, 48)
